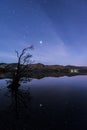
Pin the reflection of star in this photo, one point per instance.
(41, 42)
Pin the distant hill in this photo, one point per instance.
(42, 67)
(40, 70)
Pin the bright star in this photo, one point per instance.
(41, 42)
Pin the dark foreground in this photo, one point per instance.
(45, 104)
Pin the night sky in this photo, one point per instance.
(56, 28)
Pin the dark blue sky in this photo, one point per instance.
(56, 28)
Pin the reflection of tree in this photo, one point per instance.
(20, 101)
(18, 113)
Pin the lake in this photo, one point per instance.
(45, 104)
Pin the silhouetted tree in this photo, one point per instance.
(23, 60)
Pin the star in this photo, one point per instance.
(41, 42)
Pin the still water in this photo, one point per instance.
(45, 104)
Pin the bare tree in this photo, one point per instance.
(23, 60)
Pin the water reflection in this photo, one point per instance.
(45, 104)
(40, 75)
(18, 110)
